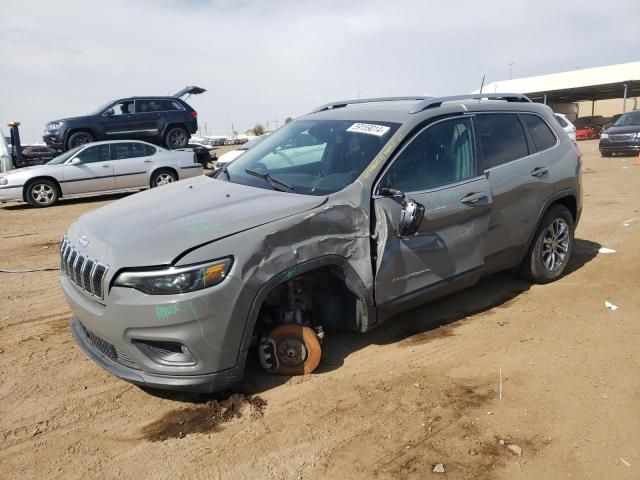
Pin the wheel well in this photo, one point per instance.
(570, 202)
(33, 180)
(76, 130)
(326, 296)
(164, 169)
(169, 126)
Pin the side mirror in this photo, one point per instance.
(411, 217)
(75, 161)
(108, 112)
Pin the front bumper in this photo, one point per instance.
(54, 139)
(10, 193)
(207, 322)
(630, 146)
(198, 383)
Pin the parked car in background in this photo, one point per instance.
(100, 167)
(339, 220)
(204, 154)
(168, 121)
(566, 125)
(37, 154)
(588, 128)
(6, 161)
(228, 157)
(623, 137)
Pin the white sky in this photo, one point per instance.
(266, 60)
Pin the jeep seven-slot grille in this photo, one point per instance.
(85, 272)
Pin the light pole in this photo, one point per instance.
(511, 69)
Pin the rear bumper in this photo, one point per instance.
(197, 383)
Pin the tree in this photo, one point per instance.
(288, 120)
(258, 129)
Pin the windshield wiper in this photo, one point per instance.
(275, 183)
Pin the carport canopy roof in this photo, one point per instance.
(598, 83)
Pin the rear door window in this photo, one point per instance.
(124, 150)
(156, 105)
(540, 132)
(501, 138)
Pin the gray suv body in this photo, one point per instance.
(339, 220)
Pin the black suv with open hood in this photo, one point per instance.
(168, 121)
(623, 136)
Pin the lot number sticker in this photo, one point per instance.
(370, 128)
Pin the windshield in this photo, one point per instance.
(631, 118)
(65, 156)
(253, 142)
(315, 157)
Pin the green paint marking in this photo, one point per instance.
(195, 317)
(163, 312)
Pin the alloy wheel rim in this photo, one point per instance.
(178, 139)
(164, 179)
(555, 245)
(81, 140)
(42, 193)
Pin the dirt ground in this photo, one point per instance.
(421, 390)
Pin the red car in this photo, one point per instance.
(588, 128)
(590, 132)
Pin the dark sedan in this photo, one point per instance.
(623, 137)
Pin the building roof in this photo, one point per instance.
(585, 84)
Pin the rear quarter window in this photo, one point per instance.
(540, 132)
(561, 121)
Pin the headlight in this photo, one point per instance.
(604, 135)
(176, 279)
(54, 126)
(3, 181)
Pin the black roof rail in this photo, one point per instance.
(344, 103)
(437, 101)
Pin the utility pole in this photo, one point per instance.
(511, 69)
(276, 122)
(206, 133)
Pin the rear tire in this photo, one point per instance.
(42, 193)
(163, 177)
(290, 349)
(79, 138)
(176, 137)
(552, 246)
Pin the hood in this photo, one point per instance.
(623, 129)
(70, 119)
(156, 226)
(38, 169)
(230, 156)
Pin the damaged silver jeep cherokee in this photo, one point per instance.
(338, 220)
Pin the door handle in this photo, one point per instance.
(147, 161)
(108, 165)
(539, 171)
(473, 198)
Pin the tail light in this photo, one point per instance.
(194, 114)
(578, 149)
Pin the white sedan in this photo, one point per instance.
(100, 167)
(566, 125)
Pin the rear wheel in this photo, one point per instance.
(552, 246)
(290, 349)
(176, 137)
(163, 177)
(42, 193)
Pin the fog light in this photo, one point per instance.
(166, 353)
